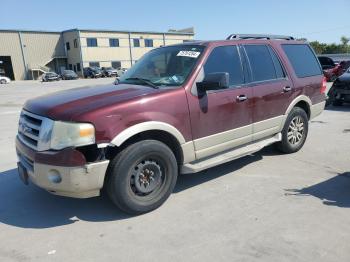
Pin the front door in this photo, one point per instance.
(272, 90)
(222, 119)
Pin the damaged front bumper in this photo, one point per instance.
(61, 173)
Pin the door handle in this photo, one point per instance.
(241, 98)
(287, 89)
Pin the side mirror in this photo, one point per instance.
(214, 81)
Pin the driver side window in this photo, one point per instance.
(226, 59)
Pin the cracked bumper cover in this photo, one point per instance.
(82, 181)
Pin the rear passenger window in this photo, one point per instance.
(261, 62)
(225, 59)
(303, 60)
(278, 67)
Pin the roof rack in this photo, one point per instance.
(258, 36)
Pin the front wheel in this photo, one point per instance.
(294, 132)
(142, 176)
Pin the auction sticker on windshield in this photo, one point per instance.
(192, 54)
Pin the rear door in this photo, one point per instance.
(271, 89)
(220, 120)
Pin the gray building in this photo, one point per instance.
(27, 54)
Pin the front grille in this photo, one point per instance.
(34, 130)
(343, 85)
(29, 129)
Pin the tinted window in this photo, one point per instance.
(148, 43)
(113, 42)
(225, 59)
(278, 67)
(91, 42)
(136, 42)
(94, 64)
(303, 60)
(261, 62)
(116, 64)
(68, 46)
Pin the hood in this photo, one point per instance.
(68, 105)
(344, 77)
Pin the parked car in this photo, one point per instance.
(50, 76)
(340, 90)
(344, 65)
(69, 75)
(331, 70)
(109, 71)
(4, 80)
(121, 71)
(92, 72)
(208, 103)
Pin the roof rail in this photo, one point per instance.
(258, 36)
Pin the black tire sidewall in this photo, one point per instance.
(119, 173)
(285, 146)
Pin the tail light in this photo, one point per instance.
(324, 86)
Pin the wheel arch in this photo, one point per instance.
(159, 131)
(303, 102)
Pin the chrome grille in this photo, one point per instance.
(35, 131)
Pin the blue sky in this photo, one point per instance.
(211, 19)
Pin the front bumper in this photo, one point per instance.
(80, 181)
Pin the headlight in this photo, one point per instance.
(66, 134)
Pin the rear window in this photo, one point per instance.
(303, 60)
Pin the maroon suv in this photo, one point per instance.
(180, 109)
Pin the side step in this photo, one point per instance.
(200, 165)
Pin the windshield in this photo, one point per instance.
(166, 66)
(68, 72)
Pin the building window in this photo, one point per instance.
(78, 67)
(91, 42)
(116, 64)
(136, 42)
(94, 64)
(67, 46)
(148, 42)
(70, 66)
(75, 43)
(113, 42)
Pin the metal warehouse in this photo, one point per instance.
(27, 54)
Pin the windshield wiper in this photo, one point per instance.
(143, 80)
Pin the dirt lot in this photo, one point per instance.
(263, 207)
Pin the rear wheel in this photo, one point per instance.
(294, 132)
(2, 81)
(142, 176)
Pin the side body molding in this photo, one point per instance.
(147, 126)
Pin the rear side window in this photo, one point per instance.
(225, 59)
(278, 67)
(261, 62)
(303, 60)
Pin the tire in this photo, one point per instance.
(294, 132)
(2, 81)
(131, 167)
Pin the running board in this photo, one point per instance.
(200, 165)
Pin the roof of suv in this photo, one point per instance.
(246, 38)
